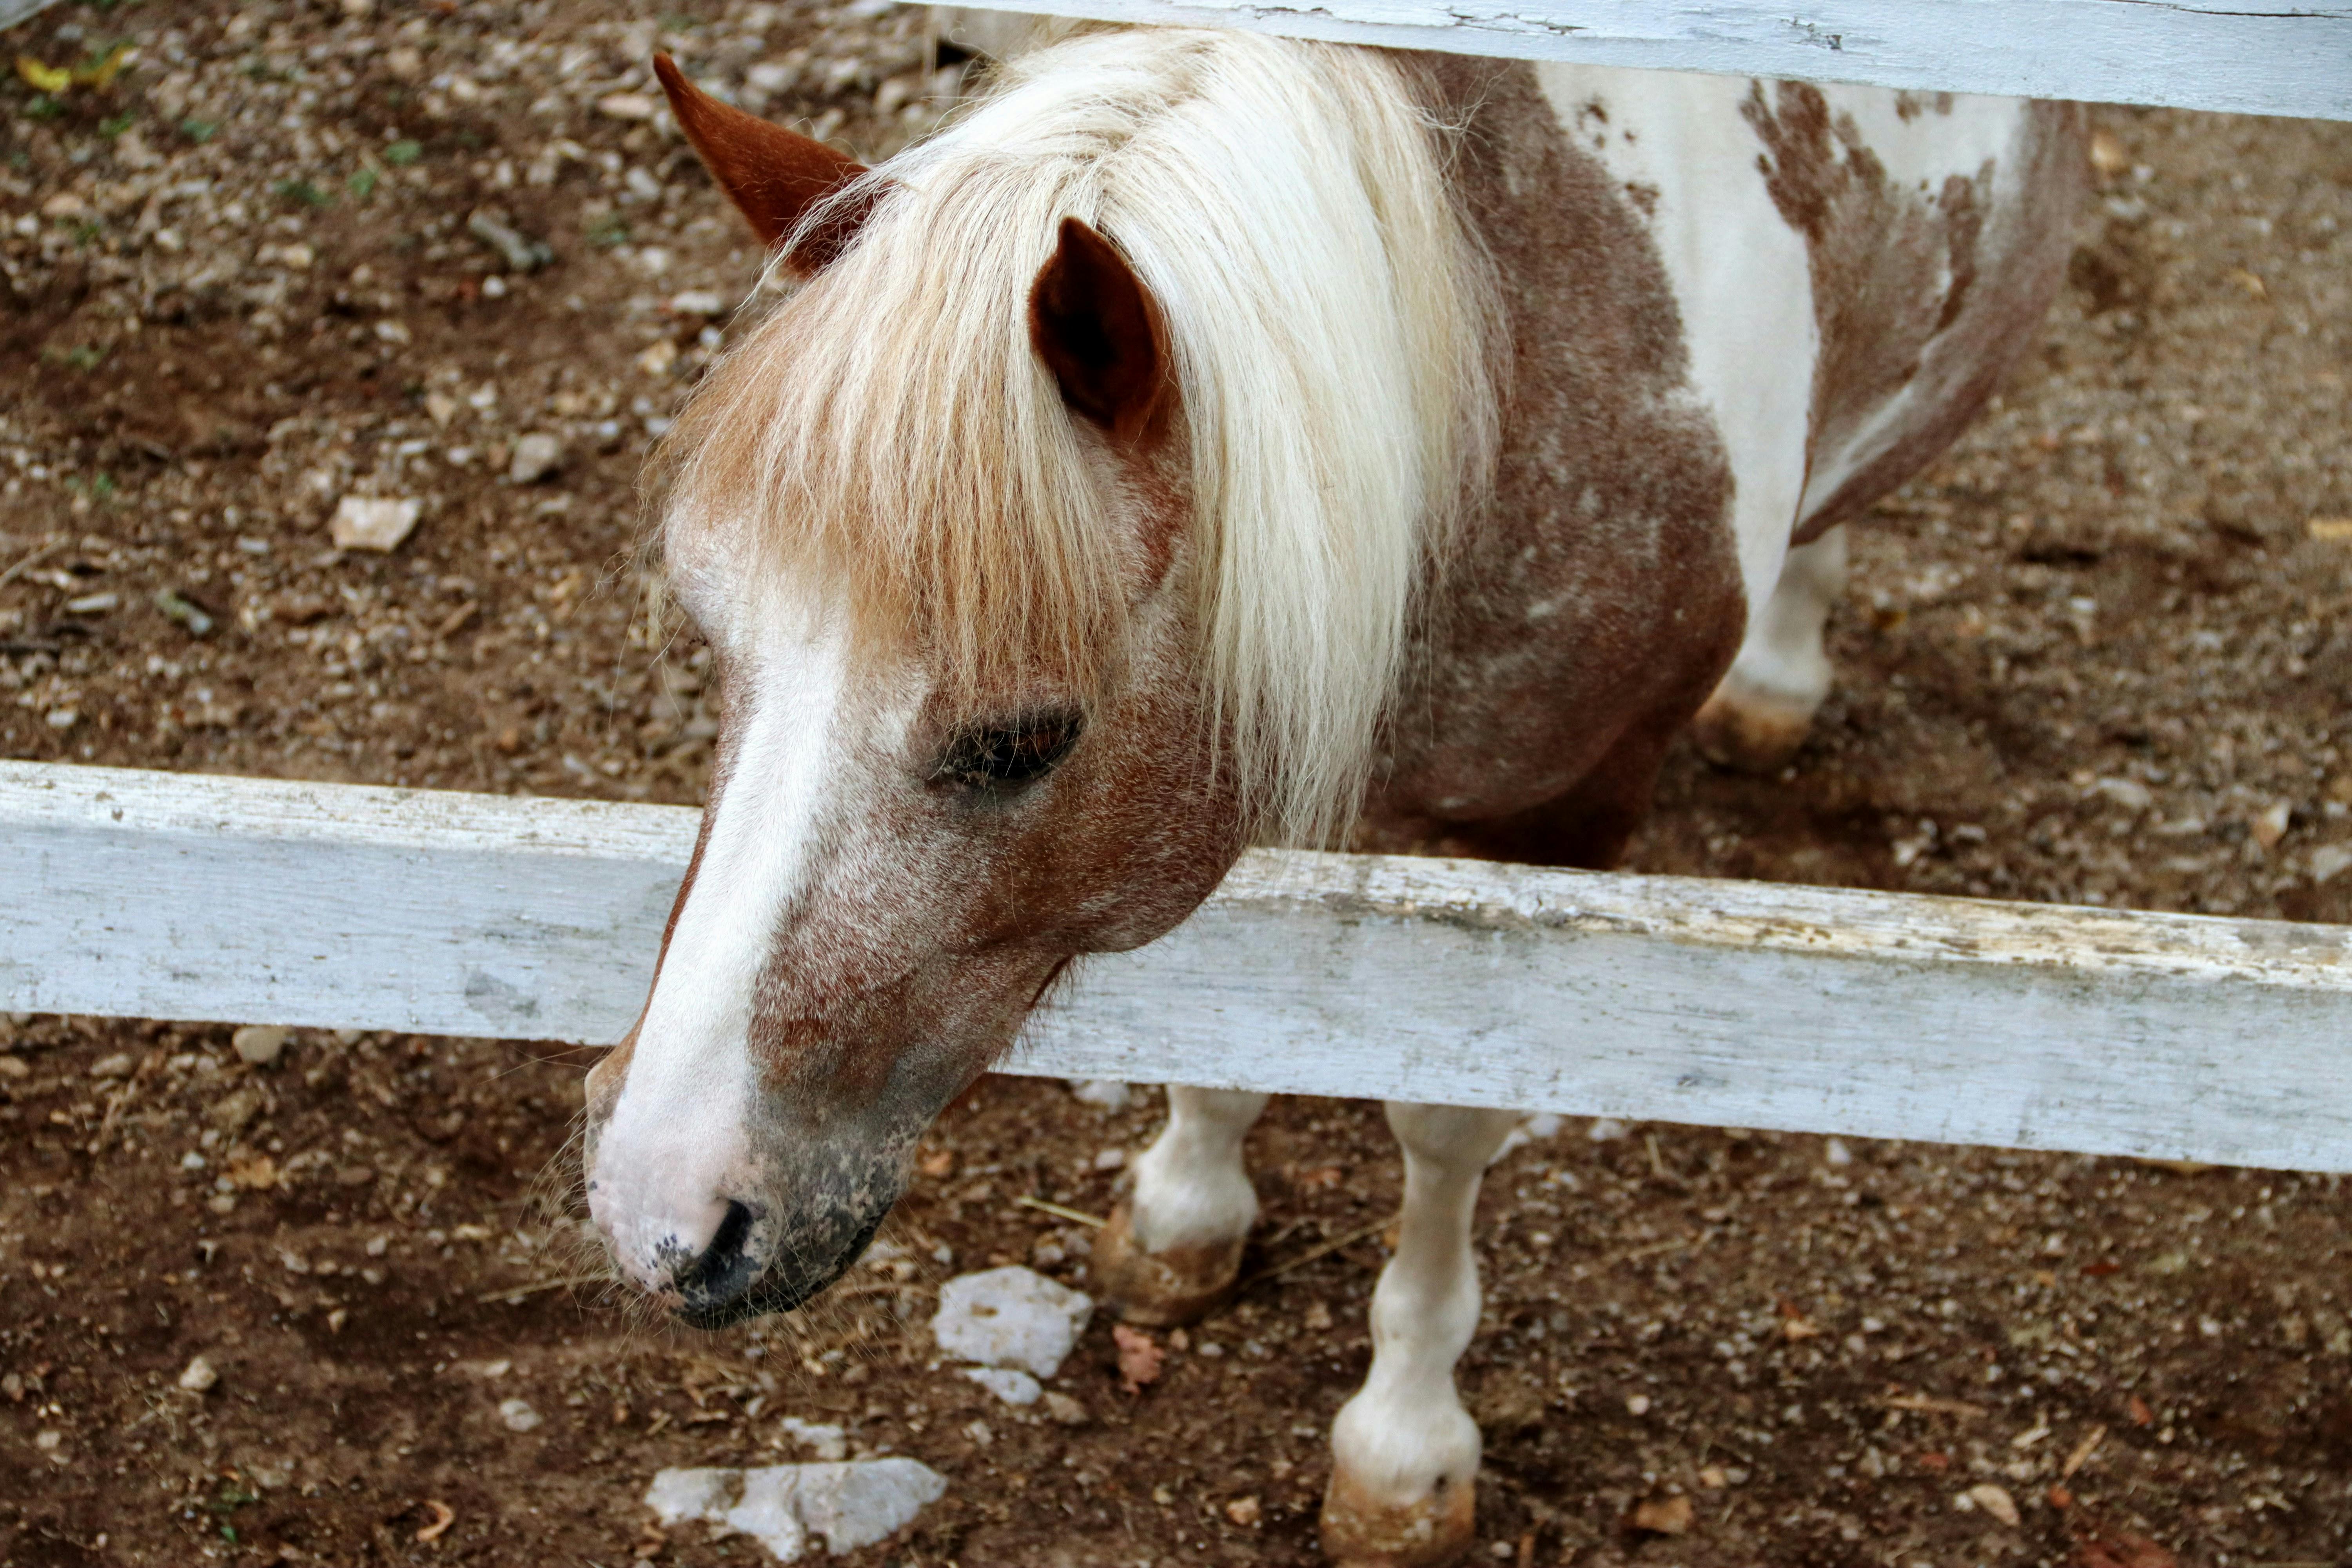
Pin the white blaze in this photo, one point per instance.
(677, 1146)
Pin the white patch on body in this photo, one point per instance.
(1742, 278)
(1191, 1187)
(677, 1146)
(1741, 275)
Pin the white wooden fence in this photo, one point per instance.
(1874, 1014)
(1869, 1014)
(2260, 58)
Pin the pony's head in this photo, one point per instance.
(1048, 548)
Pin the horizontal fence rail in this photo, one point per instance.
(2259, 59)
(1810, 1009)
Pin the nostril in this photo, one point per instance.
(726, 1269)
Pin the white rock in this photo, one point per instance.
(259, 1043)
(1010, 1316)
(1108, 1093)
(198, 1376)
(371, 522)
(518, 1415)
(1538, 1125)
(698, 303)
(627, 106)
(536, 456)
(850, 1505)
(858, 1504)
(116, 1065)
(2330, 860)
(822, 1438)
(1009, 1383)
(1605, 1130)
(2129, 793)
(765, 1510)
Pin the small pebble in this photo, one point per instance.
(628, 106)
(116, 1065)
(371, 523)
(1009, 1383)
(260, 1043)
(1104, 1093)
(518, 1415)
(198, 1376)
(536, 456)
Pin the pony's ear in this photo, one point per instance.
(771, 175)
(1100, 332)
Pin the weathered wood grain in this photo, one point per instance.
(1872, 1015)
(15, 11)
(2292, 59)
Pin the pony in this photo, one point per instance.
(1207, 438)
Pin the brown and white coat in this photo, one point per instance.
(1211, 435)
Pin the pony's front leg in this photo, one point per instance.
(1405, 1452)
(1172, 1251)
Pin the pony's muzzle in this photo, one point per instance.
(718, 1227)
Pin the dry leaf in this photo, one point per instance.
(2108, 155)
(1140, 1356)
(937, 1162)
(1931, 1405)
(253, 1173)
(443, 1515)
(50, 80)
(2125, 1551)
(2083, 1452)
(2140, 1414)
(101, 74)
(1663, 1515)
(1995, 1501)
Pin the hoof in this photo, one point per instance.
(1361, 1531)
(1160, 1289)
(1750, 734)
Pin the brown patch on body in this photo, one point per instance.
(1596, 600)
(1931, 295)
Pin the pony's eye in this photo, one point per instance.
(1004, 756)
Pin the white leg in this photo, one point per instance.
(1405, 1452)
(1174, 1247)
(1758, 716)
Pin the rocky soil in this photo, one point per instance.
(291, 256)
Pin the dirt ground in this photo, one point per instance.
(294, 252)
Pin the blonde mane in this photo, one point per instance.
(892, 425)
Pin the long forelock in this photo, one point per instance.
(891, 426)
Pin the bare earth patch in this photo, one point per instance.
(297, 256)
